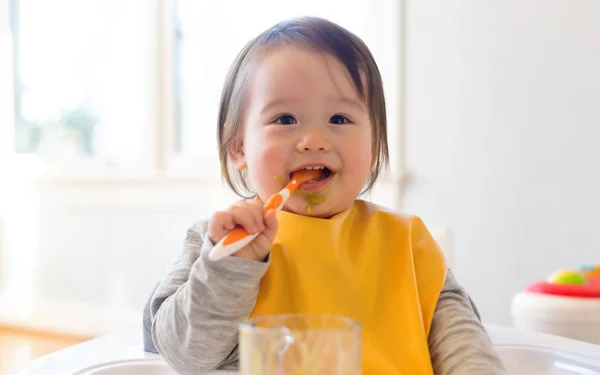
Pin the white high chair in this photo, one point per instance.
(123, 354)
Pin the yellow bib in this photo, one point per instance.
(378, 267)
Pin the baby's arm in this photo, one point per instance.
(199, 304)
(458, 342)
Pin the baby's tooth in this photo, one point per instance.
(315, 167)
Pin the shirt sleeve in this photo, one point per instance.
(199, 304)
(458, 341)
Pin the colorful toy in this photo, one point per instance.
(566, 304)
(567, 277)
(591, 271)
(583, 283)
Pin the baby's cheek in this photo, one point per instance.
(270, 169)
(272, 156)
(359, 167)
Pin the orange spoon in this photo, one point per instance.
(238, 237)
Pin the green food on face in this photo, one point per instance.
(278, 178)
(313, 198)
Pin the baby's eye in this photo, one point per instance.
(286, 120)
(339, 120)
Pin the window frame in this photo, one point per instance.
(163, 163)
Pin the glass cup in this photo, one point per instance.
(300, 344)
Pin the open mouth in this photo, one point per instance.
(325, 173)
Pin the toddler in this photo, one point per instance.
(307, 93)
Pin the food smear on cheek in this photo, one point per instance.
(280, 180)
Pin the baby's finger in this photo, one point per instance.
(257, 210)
(242, 216)
(219, 224)
(260, 247)
(271, 225)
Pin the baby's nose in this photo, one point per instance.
(314, 140)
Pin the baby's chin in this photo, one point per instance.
(302, 208)
(315, 204)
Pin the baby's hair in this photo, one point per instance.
(322, 36)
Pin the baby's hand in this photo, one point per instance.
(251, 216)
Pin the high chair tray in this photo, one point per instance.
(122, 354)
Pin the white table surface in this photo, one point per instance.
(123, 347)
(127, 347)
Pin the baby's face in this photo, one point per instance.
(303, 110)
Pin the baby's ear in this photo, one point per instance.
(236, 154)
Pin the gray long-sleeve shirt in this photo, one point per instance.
(198, 305)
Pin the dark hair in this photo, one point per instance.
(320, 35)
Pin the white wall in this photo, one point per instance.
(502, 111)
